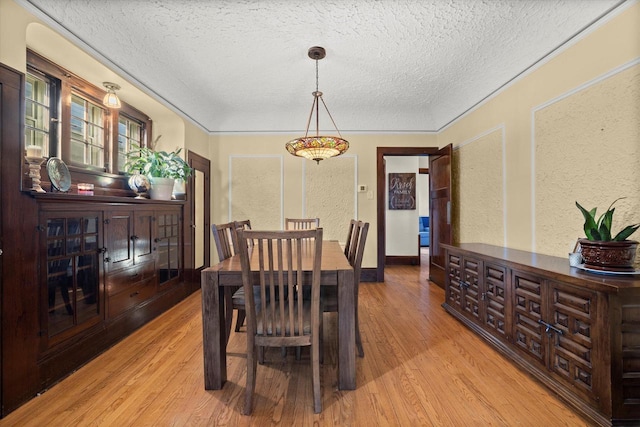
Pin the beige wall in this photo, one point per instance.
(570, 130)
(509, 141)
(300, 179)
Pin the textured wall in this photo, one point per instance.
(587, 148)
(329, 194)
(478, 182)
(255, 191)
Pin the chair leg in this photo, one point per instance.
(359, 340)
(228, 310)
(315, 380)
(240, 319)
(252, 368)
(321, 338)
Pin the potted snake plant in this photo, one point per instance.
(603, 250)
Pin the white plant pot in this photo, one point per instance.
(161, 188)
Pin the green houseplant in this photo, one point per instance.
(603, 250)
(161, 167)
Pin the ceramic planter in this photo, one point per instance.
(609, 256)
(161, 188)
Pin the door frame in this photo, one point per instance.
(381, 181)
(202, 164)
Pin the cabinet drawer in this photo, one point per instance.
(123, 280)
(130, 298)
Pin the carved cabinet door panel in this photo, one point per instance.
(454, 286)
(471, 283)
(497, 300)
(528, 331)
(573, 346)
(464, 285)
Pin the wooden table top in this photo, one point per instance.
(333, 259)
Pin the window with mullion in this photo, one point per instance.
(87, 132)
(38, 97)
(130, 133)
(65, 115)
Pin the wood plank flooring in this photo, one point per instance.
(421, 368)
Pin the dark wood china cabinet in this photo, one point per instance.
(77, 272)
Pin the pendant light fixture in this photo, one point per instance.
(317, 147)
(111, 100)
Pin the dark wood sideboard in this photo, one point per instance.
(576, 332)
(77, 272)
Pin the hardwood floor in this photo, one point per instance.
(421, 367)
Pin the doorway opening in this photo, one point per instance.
(439, 206)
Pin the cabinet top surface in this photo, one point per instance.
(76, 198)
(554, 267)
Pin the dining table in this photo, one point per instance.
(336, 271)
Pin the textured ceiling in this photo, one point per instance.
(391, 65)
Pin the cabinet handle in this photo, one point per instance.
(107, 259)
(102, 250)
(134, 238)
(134, 294)
(549, 327)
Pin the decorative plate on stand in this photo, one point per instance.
(59, 174)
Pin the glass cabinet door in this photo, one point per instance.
(168, 243)
(73, 269)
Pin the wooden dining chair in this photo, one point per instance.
(224, 236)
(330, 294)
(349, 247)
(301, 223)
(286, 319)
(237, 300)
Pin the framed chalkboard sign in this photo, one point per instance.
(402, 191)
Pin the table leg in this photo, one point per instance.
(214, 341)
(346, 331)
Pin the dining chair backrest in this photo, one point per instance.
(363, 230)
(351, 247)
(245, 225)
(224, 237)
(301, 223)
(350, 237)
(282, 257)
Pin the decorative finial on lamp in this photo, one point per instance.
(317, 147)
(111, 99)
